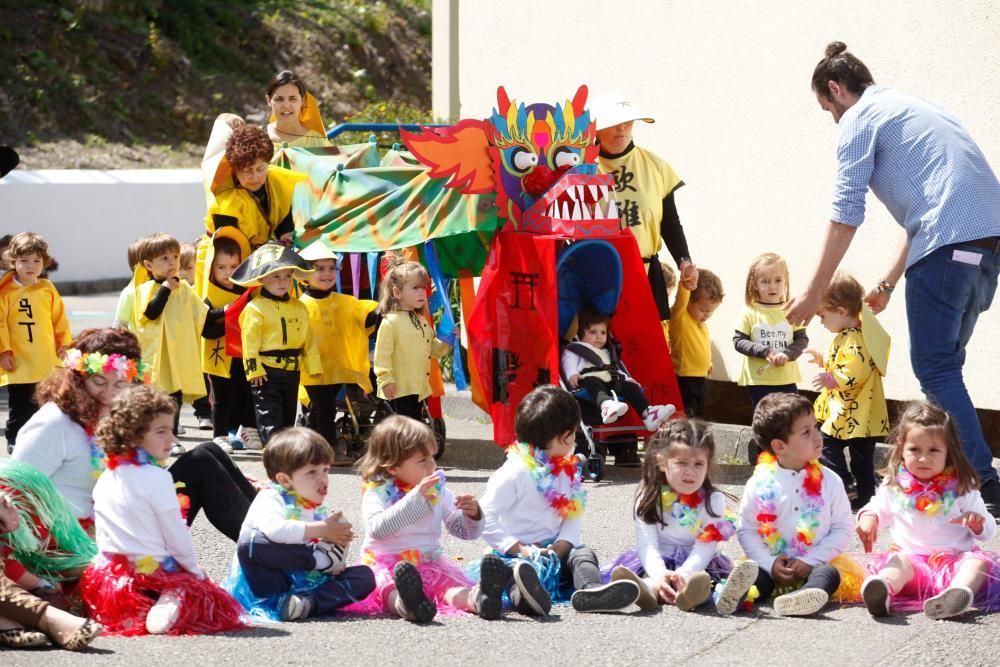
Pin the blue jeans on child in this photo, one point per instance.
(944, 297)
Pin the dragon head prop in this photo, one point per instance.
(539, 159)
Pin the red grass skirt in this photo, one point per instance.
(439, 574)
(932, 574)
(119, 598)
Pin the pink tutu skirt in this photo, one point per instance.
(438, 574)
(932, 574)
(119, 597)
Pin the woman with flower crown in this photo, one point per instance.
(146, 579)
(534, 512)
(59, 439)
(929, 501)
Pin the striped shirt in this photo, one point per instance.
(922, 164)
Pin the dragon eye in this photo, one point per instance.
(523, 159)
(567, 157)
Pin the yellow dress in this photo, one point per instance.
(33, 326)
(403, 350)
(171, 344)
(214, 359)
(338, 325)
(856, 408)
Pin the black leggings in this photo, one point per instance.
(323, 410)
(214, 483)
(600, 391)
(408, 406)
(21, 404)
(275, 401)
(233, 404)
(862, 467)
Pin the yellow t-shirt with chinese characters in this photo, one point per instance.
(338, 325)
(642, 181)
(269, 324)
(856, 408)
(33, 326)
(214, 359)
(767, 325)
(690, 342)
(171, 344)
(403, 349)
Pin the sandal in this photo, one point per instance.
(85, 634)
(21, 638)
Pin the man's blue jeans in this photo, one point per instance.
(944, 298)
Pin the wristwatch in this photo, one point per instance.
(884, 286)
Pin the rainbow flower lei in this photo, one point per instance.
(811, 502)
(393, 490)
(558, 479)
(96, 363)
(295, 503)
(686, 508)
(97, 457)
(134, 457)
(934, 497)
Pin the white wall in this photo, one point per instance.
(728, 83)
(89, 217)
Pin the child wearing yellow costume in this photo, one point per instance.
(851, 405)
(169, 319)
(341, 326)
(277, 340)
(33, 328)
(232, 407)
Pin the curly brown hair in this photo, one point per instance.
(246, 145)
(129, 418)
(67, 389)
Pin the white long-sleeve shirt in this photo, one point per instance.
(836, 523)
(58, 448)
(654, 541)
(267, 515)
(413, 522)
(915, 532)
(136, 514)
(516, 511)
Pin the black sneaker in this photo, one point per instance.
(528, 595)
(609, 597)
(489, 593)
(990, 491)
(413, 602)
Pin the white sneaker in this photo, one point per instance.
(330, 558)
(223, 443)
(294, 607)
(952, 601)
(803, 602)
(654, 416)
(177, 449)
(205, 424)
(181, 430)
(163, 615)
(251, 438)
(612, 410)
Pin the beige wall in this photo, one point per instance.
(728, 83)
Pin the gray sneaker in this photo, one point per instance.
(610, 597)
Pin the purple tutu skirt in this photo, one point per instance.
(932, 574)
(438, 574)
(718, 568)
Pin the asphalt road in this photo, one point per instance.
(842, 635)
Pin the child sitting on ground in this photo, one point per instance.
(690, 341)
(232, 406)
(289, 561)
(169, 319)
(794, 516)
(277, 340)
(935, 514)
(405, 504)
(851, 405)
(33, 328)
(680, 521)
(534, 513)
(147, 578)
(593, 362)
(341, 326)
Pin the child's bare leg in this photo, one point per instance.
(61, 626)
(971, 574)
(897, 571)
(460, 597)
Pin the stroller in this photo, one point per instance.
(589, 273)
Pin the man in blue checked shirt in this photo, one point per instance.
(926, 169)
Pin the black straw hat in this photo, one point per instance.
(267, 259)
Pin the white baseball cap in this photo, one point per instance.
(614, 109)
